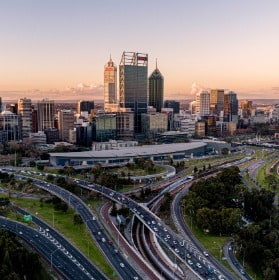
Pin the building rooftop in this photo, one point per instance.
(134, 151)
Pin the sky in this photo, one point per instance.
(58, 48)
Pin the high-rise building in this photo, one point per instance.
(153, 123)
(175, 105)
(12, 107)
(125, 124)
(110, 86)
(230, 107)
(216, 101)
(133, 84)
(34, 120)
(246, 107)
(0, 104)
(104, 127)
(25, 112)
(45, 114)
(66, 120)
(203, 103)
(156, 89)
(9, 127)
(85, 106)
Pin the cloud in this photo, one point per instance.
(196, 88)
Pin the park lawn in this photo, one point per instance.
(63, 222)
(261, 175)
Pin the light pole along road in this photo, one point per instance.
(58, 257)
(121, 265)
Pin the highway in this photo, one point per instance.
(59, 258)
(59, 240)
(121, 265)
(176, 245)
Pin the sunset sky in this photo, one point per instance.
(57, 48)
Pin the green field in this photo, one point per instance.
(63, 222)
(139, 171)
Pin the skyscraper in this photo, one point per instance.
(246, 107)
(156, 89)
(203, 103)
(110, 86)
(230, 107)
(25, 111)
(133, 84)
(66, 120)
(216, 101)
(45, 114)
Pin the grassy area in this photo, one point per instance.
(63, 222)
(139, 171)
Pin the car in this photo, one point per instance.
(93, 218)
(122, 264)
(111, 194)
(115, 251)
(242, 271)
(230, 248)
(198, 265)
(165, 229)
(205, 253)
(155, 229)
(181, 243)
(221, 277)
(174, 242)
(190, 262)
(176, 250)
(153, 222)
(99, 233)
(166, 239)
(148, 223)
(168, 236)
(188, 256)
(136, 278)
(20, 232)
(103, 239)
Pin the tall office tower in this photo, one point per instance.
(45, 114)
(9, 127)
(12, 107)
(203, 103)
(230, 107)
(25, 111)
(34, 120)
(66, 120)
(216, 101)
(175, 105)
(133, 84)
(0, 104)
(246, 107)
(110, 86)
(85, 106)
(156, 89)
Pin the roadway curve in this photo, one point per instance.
(96, 231)
(55, 256)
(77, 255)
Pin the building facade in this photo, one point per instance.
(125, 125)
(153, 123)
(45, 114)
(110, 86)
(133, 85)
(10, 129)
(66, 120)
(230, 107)
(203, 103)
(156, 89)
(175, 105)
(25, 112)
(216, 101)
(85, 106)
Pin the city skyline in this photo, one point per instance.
(59, 49)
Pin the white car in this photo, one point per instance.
(198, 265)
(205, 253)
(122, 264)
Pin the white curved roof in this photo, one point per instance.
(134, 151)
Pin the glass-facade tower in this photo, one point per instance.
(133, 84)
(156, 89)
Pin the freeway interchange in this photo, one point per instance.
(184, 250)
